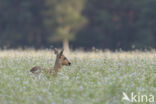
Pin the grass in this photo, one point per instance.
(93, 78)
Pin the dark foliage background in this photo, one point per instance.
(111, 24)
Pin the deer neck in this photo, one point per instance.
(57, 66)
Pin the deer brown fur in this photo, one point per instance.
(60, 61)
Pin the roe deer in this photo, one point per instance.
(60, 61)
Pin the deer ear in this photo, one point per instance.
(61, 52)
(56, 51)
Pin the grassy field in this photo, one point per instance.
(93, 78)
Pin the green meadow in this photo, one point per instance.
(93, 77)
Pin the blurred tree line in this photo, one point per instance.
(111, 24)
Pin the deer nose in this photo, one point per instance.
(69, 63)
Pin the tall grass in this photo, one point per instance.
(93, 78)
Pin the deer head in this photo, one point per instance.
(60, 60)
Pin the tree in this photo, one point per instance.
(65, 17)
(21, 23)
